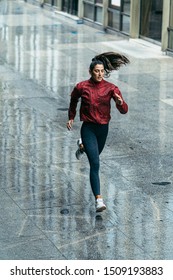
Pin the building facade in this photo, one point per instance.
(151, 20)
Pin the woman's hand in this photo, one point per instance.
(70, 124)
(119, 100)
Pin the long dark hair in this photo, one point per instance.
(110, 60)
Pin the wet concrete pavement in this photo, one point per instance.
(47, 210)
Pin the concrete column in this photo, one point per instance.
(134, 18)
(165, 24)
(80, 9)
(105, 14)
(59, 5)
(41, 3)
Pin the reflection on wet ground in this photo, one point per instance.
(47, 208)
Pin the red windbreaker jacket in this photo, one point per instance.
(95, 101)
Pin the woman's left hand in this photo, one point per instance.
(119, 100)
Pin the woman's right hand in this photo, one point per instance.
(70, 124)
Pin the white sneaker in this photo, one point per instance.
(79, 142)
(80, 151)
(100, 206)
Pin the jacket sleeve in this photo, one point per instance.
(75, 95)
(123, 109)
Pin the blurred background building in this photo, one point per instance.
(151, 20)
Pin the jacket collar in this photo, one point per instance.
(96, 84)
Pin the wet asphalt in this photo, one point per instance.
(47, 210)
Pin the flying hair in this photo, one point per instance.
(111, 61)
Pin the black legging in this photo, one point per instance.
(94, 138)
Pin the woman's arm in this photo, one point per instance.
(75, 95)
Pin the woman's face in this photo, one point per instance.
(97, 73)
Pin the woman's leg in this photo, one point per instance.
(94, 138)
(102, 136)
